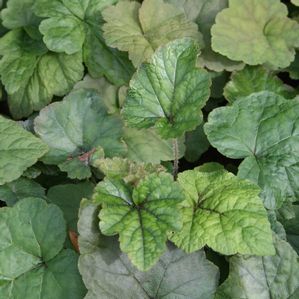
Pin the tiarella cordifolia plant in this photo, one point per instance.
(149, 149)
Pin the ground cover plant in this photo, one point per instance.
(149, 149)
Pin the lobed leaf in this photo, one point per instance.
(142, 217)
(223, 212)
(32, 258)
(256, 32)
(262, 129)
(168, 92)
(108, 273)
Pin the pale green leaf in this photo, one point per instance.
(75, 128)
(269, 277)
(19, 150)
(131, 172)
(141, 29)
(256, 32)
(102, 264)
(263, 130)
(168, 92)
(141, 149)
(32, 75)
(142, 217)
(71, 26)
(295, 2)
(32, 258)
(68, 197)
(254, 79)
(223, 212)
(19, 189)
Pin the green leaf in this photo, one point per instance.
(293, 69)
(130, 171)
(256, 32)
(107, 91)
(295, 2)
(142, 217)
(75, 128)
(19, 14)
(33, 263)
(168, 92)
(176, 274)
(32, 75)
(141, 150)
(254, 79)
(223, 212)
(263, 129)
(19, 150)
(68, 198)
(269, 277)
(196, 144)
(72, 25)
(204, 12)
(20, 189)
(141, 29)
(292, 228)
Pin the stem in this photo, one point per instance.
(175, 148)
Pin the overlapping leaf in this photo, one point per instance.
(256, 32)
(168, 92)
(223, 212)
(254, 79)
(19, 150)
(19, 189)
(263, 129)
(32, 75)
(108, 273)
(141, 149)
(142, 217)
(75, 128)
(130, 171)
(68, 198)
(141, 28)
(33, 263)
(75, 25)
(269, 277)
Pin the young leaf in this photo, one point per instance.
(19, 189)
(263, 129)
(141, 149)
(274, 277)
(254, 79)
(129, 171)
(295, 2)
(75, 128)
(108, 273)
(141, 29)
(168, 92)
(68, 197)
(71, 26)
(223, 212)
(256, 32)
(32, 75)
(32, 258)
(142, 217)
(19, 150)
